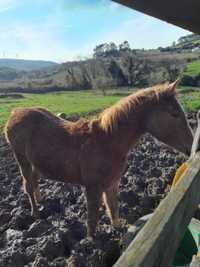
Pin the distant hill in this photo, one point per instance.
(142, 69)
(185, 43)
(111, 66)
(9, 74)
(191, 41)
(25, 65)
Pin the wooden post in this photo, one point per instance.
(195, 262)
(156, 244)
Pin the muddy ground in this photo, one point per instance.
(58, 239)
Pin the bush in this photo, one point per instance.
(188, 80)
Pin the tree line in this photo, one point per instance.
(110, 49)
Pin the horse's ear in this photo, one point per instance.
(172, 86)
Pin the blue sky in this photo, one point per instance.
(63, 30)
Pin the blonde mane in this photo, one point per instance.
(111, 117)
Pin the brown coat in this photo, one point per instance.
(93, 152)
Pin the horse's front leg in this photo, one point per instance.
(112, 204)
(94, 196)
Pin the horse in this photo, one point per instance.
(92, 152)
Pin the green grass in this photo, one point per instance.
(193, 69)
(81, 103)
(190, 101)
(186, 89)
(196, 42)
(189, 98)
(72, 103)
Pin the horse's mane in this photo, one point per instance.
(110, 118)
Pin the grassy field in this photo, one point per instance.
(81, 103)
(191, 101)
(193, 68)
(72, 103)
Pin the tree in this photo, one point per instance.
(174, 44)
(125, 46)
(102, 84)
(112, 47)
(105, 49)
(100, 50)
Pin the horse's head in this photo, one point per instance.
(167, 122)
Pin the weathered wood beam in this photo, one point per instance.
(156, 244)
(195, 262)
(182, 13)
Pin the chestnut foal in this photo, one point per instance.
(93, 152)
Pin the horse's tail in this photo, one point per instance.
(7, 127)
(12, 126)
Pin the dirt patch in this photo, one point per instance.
(59, 237)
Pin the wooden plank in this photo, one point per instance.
(157, 242)
(195, 262)
(186, 17)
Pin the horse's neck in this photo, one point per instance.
(129, 131)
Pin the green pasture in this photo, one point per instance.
(72, 103)
(193, 68)
(81, 103)
(191, 100)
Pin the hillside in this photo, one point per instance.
(191, 41)
(187, 43)
(25, 65)
(131, 70)
(111, 66)
(9, 74)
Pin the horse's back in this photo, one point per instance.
(43, 139)
(19, 115)
(23, 120)
(29, 125)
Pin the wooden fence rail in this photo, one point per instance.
(156, 244)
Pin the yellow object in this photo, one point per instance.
(179, 173)
(177, 176)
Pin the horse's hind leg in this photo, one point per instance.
(37, 193)
(110, 198)
(28, 182)
(94, 196)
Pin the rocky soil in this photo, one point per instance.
(58, 239)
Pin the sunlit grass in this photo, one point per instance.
(193, 68)
(80, 103)
(191, 101)
(71, 103)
